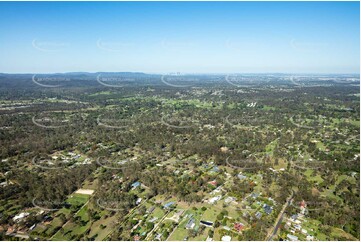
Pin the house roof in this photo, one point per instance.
(226, 238)
(292, 237)
(190, 223)
(168, 204)
(238, 226)
(136, 184)
(268, 209)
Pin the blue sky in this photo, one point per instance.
(189, 37)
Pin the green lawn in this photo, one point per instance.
(210, 214)
(56, 223)
(271, 146)
(312, 178)
(78, 199)
(180, 232)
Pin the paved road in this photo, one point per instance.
(279, 219)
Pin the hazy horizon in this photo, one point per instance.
(181, 73)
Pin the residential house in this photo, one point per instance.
(241, 177)
(215, 169)
(158, 237)
(297, 226)
(214, 199)
(151, 209)
(20, 216)
(191, 223)
(267, 209)
(226, 228)
(226, 238)
(168, 205)
(136, 184)
(310, 238)
(153, 219)
(238, 226)
(229, 199)
(292, 237)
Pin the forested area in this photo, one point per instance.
(176, 142)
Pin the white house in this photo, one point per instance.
(214, 199)
(226, 238)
